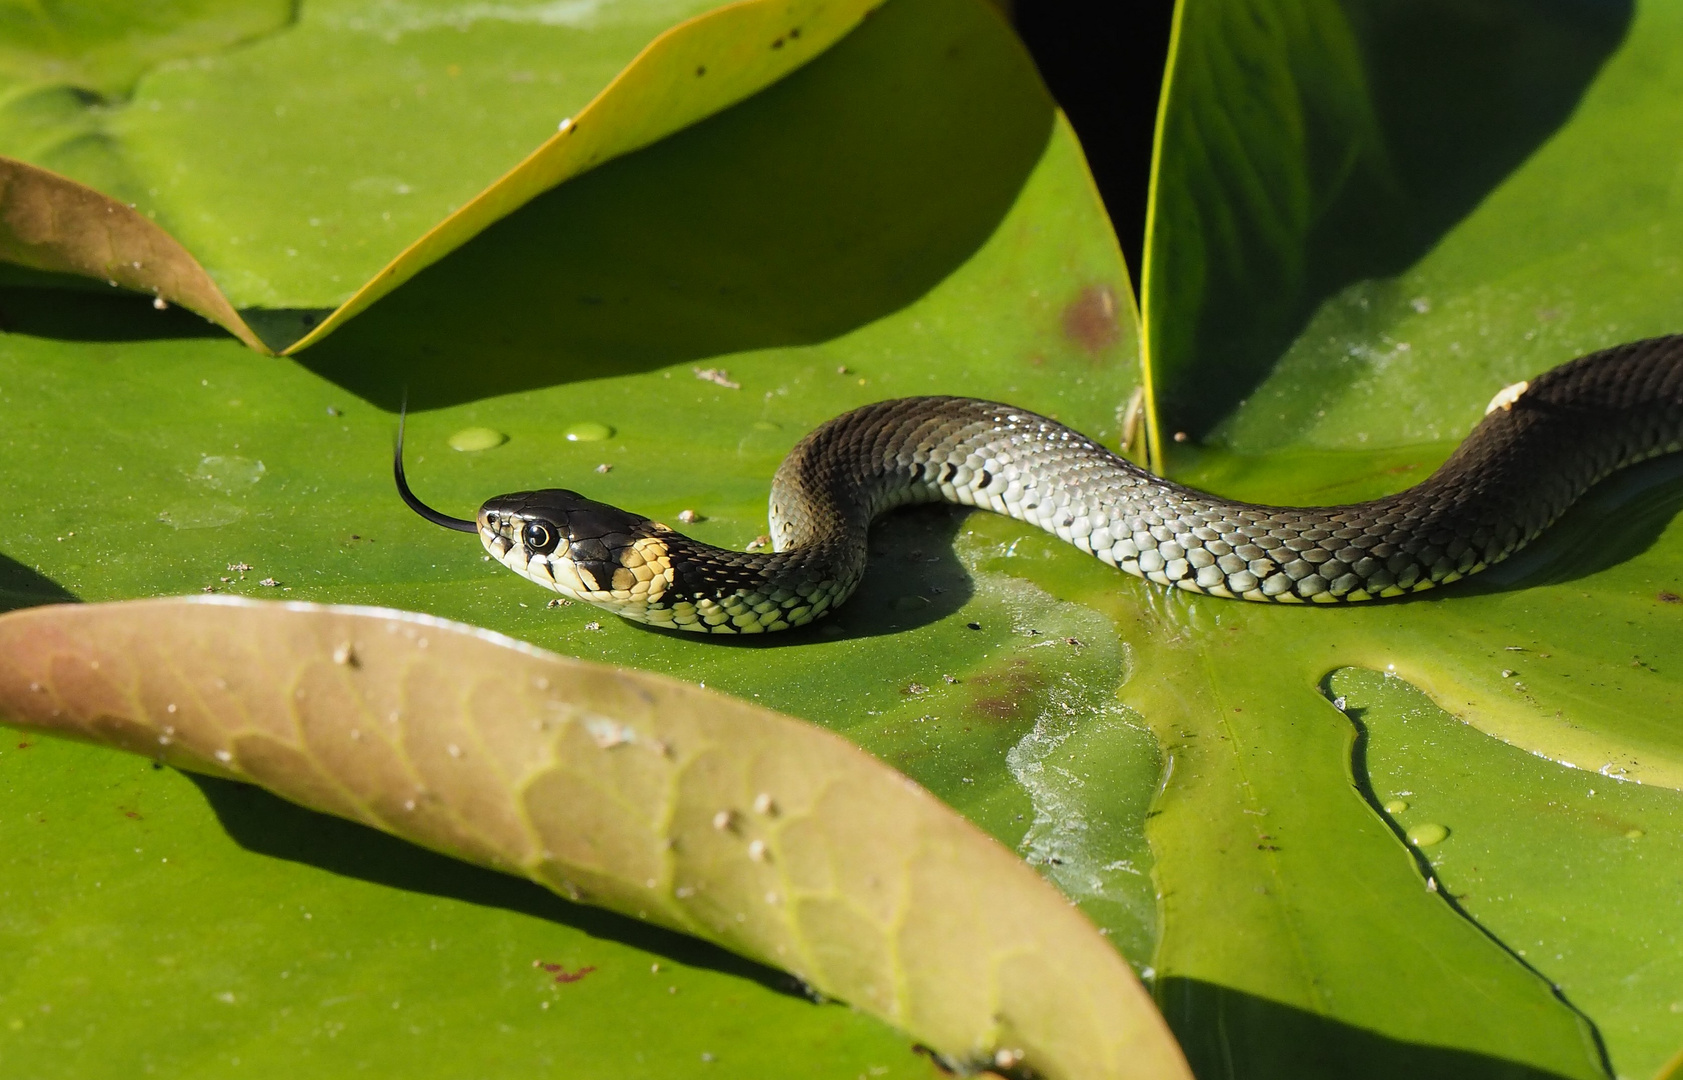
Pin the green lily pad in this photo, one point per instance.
(1396, 226)
(101, 50)
(921, 221)
(1536, 859)
(312, 157)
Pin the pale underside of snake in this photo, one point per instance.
(1541, 446)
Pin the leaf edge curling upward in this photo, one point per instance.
(660, 800)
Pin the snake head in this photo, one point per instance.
(566, 542)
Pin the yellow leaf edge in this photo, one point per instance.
(688, 72)
(742, 47)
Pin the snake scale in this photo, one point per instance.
(1538, 449)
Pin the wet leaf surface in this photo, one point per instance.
(1399, 220)
(1368, 291)
(163, 454)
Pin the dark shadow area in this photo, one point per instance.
(1231, 1035)
(1458, 93)
(835, 197)
(21, 587)
(82, 314)
(278, 328)
(268, 825)
(912, 579)
(1103, 62)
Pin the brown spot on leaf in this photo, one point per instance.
(1090, 319)
(1668, 598)
(1007, 694)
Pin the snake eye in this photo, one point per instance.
(539, 538)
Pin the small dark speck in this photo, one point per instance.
(795, 33)
(1669, 598)
(700, 71)
(778, 44)
(973, 626)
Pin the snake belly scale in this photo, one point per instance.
(1539, 448)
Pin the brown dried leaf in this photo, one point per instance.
(639, 793)
(49, 222)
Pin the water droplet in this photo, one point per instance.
(228, 472)
(757, 851)
(1635, 834)
(765, 804)
(1395, 806)
(588, 431)
(477, 438)
(1426, 834)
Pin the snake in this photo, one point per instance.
(1540, 446)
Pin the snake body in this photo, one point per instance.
(1529, 459)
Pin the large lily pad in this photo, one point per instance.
(1334, 184)
(1340, 279)
(909, 207)
(314, 156)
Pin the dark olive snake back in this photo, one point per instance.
(1522, 466)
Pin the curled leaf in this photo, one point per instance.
(48, 222)
(688, 73)
(635, 792)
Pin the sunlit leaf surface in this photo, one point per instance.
(300, 151)
(907, 214)
(673, 805)
(1421, 206)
